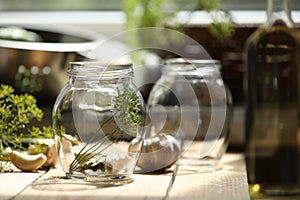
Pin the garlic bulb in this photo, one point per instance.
(158, 152)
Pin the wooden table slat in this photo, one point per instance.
(180, 183)
(144, 186)
(11, 184)
(229, 182)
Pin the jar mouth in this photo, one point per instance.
(100, 70)
(191, 67)
(190, 61)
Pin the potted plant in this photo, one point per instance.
(162, 14)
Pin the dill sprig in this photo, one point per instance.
(127, 110)
(16, 113)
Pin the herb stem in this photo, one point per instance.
(84, 155)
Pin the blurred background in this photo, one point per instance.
(39, 37)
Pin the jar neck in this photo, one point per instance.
(279, 13)
(79, 81)
(96, 72)
(191, 67)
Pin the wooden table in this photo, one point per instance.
(178, 183)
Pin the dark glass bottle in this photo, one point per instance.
(273, 102)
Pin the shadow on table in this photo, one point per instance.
(65, 184)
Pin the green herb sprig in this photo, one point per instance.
(158, 13)
(16, 112)
(127, 110)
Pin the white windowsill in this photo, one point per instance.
(111, 22)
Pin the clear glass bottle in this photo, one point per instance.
(273, 102)
(191, 102)
(95, 117)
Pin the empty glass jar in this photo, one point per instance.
(191, 102)
(95, 117)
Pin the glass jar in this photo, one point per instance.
(191, 102)
(95, 117)
(272, 107)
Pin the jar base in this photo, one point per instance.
(105, 180)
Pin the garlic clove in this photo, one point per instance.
(117, 162)
(52, 157)
(47, 149)
(27, 162)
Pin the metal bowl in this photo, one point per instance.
(39, 68)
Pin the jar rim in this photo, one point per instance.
(191, 67)
(191, 61)
(100, 70)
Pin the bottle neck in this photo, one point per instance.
(279, 13)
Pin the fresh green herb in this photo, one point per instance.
(46, 132)
(5, 166)
(16, 113)
(158, 13)
(221, 30)
(209, 5)
(58, 129)
(127, 113)
(146, 13)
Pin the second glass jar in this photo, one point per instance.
(191, 102)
